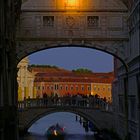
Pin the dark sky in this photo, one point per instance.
(73, 58)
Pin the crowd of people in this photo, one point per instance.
(78, 100)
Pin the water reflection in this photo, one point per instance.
(69, 137)
(66, 119)
(73, 127)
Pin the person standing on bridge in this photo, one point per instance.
(45, 99)
(56, 99)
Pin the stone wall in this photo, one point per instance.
(132, 59)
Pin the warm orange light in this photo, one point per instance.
(71, 4)
(55, 132)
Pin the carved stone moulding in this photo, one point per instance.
(112, 47)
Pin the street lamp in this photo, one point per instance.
(71, 4)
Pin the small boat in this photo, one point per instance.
(55, 132)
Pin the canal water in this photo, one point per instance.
(74, 129)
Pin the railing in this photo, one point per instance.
(90, 102)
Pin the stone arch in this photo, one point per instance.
(110, 40)
(70, 110)
(33, 36)
(28, 48)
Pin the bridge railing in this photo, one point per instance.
(95, 103)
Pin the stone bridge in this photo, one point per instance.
(51, 24)
(100, 114)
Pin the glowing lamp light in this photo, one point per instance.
(55, 133)
(71, 4)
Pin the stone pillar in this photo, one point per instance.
(8, 109)
(138, 92)
(8, 85)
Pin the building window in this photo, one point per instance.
(48, 21)
(82, 88)
(92, 21)
(109, 89)
(66, 87)
(61, 87)
(48, 87)
(56, 87)
(51, 87)
(89, 88)
(77, 88)
(71, 87)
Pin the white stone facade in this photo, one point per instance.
(25, 80)
(41, 18)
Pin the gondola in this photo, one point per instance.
(55, 132)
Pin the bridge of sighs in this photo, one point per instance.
(58, 23)
(100, 25)
(111, 26)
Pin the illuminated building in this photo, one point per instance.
(62, 82)
(25, 80)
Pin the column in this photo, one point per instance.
(138, 94)
(8, 73)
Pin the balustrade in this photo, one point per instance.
(91, 103)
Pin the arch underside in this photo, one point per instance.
(75, 111)
(115, 48)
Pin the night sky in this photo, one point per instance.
(73, 58)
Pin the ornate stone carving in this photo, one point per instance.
(70, 21)
(92, 21)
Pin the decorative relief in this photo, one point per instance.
(92, 21)
(70, 21)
